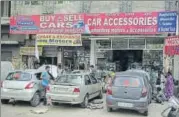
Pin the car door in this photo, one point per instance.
(95, 86)
(88, 85)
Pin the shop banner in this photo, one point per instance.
(59, 40)
(172, 45)
(101, 23)
(30, 51)
(47, 24)
(131, 23)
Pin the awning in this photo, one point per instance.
(10, 42)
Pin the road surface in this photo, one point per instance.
(22, 109)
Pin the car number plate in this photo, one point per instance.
(60, 89)
(129, 105)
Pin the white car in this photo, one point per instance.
(74, 89)
(22, 86)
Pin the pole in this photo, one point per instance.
(177, 27)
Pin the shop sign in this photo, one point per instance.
(59, 40)
(47, 24)
(100, 23)
(131, 23)
(30, 51)
(172, 45)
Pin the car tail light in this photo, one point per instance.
(47, 89)
(109, 90)
(30, 85)
(144, 92)
(76, 90)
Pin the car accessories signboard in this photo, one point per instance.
(47, 24)
(101, 23)
(59, 40)
(172, 45)
(131, 23)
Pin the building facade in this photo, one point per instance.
(10, 44)
(143, 44)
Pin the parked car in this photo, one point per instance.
(22, 86)
(128, 90)
(74, 89)
(146, 76)
(6, 67)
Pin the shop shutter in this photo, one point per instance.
(6, 56)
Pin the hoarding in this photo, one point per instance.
(172, 45)
(59, 40)
(47, 24)
(30, 51)
(100, 23)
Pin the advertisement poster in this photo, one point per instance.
(100, 23)
(167, 21)
(47, 24)
(59, 40)
(172, 45)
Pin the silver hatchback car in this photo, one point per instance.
(74, 89)
(22, 86)
(128, 91)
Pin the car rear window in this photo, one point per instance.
(124, 81)
(19, 76)
(71, 79)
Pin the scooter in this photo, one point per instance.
(173, 108)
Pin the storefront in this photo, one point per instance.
(68, 50)
(121, 52)
(65, 44)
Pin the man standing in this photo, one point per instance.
(46, 77)
(59, 69)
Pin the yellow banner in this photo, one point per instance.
(30, 51)
(59, 40)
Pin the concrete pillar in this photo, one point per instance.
(176, 67)
(93, 52)
(59, 56)
(6, 8)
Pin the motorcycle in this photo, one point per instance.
(173, 108)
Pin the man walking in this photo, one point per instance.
(46, 77)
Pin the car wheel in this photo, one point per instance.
(109, 109)
(4, 101)
(101, 95)
(84, 104)
(35, 100)
(145, 113)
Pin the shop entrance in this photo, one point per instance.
(124, 58)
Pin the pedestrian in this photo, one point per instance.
(169, 86)
(60, 70)
(46, 77)
(153, 79)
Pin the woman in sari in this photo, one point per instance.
(169, 86)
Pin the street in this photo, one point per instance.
(22, 109)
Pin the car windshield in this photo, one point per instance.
(19, 76)
(69, 79)
(126, 81)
